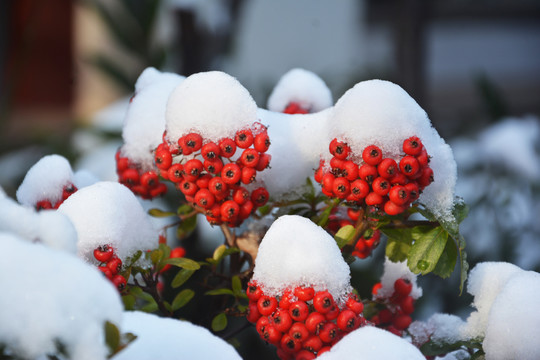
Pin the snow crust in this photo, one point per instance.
(144, 120)
(296, 252)
(382, 113)
(371, 343)
(397, 270)
(45, 180)
(165, 338)
(303, 87)
(440, 328)
(109, 213)
(52, 296)
(212, 103)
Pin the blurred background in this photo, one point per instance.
(68, 68)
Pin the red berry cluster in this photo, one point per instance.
(145, 184)
(376, 181)
(214, 176)
(110, 265)
(302, 323)
(67, 190)
(395, 316)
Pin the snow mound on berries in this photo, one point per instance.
(109, 213)
(45, 180)
(440, 328)
(296, 252)
(296, 149)
(47, 226)
(165, 338)
(52, 297)
(485, 282)
(393, 271)
(144, 121)
(303, 87)
(512, 328)
(371, 343)
(382, 113)
(214, 104)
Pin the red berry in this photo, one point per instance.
(426, 178)
(423, 158)
(409, 166)
(393, 209)
(314, 322)
(271, 335)
(231, 173)
(299, 331)
(203, 181)
(213, 166)
(264, 162)
(149, 179)
(341, 187)
(252, 312)
(253, 292)
(193, 141)
(407, 305)
(229, 210)
(414, 191)
(381, 186)
(299, 310)
(68, 190)
(177, 252)
(227, 147)
(261, 324)
(328, 332)
(103, 253)
(217, 186)
(289, 344)
(332, 314)
(398, 195)
(241, 195)
(282, 320)
(387, 168)
(129, 177)
(323, 302)
(355, 305)
(372, 155)
(304, 293)
(295, 108)
(106, 271)
(286, 300)
(249, 158)
(353, 214)
(204, 198)
(43, 205)
(313, 344)
(368, 173)
(115, 265)
(261, 143)
(350, 170)
(402, 287)
(176, 173)
(339, 149)
(347, 320)
(246, 209)
(328, 181)
(248, 175)
(373, 199)
(376, 288)
(122, 163)
(359, 189)
(193, 168)
(402, 322)
(120, 282)
(210, 151)
(163, 159)
(188, 188)
(260, 197)
(159, 190)
(412, 146)
(267, 305)
(244, 138)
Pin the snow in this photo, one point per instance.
(83, 178)
(165, 338)
(512, 328)
(45, 181)
(212, 103)
(48, 227)
(144, 120)
(297, 144)
(381, 113)
(440, 328)
(485, 282)
(51, 297)
(371, 343)
(109, 213)
(303, 87)
(393, 271)
(296, 252)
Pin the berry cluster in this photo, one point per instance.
(302, 323)
(376, 181)
(295, 108)
(110, 265)
(395, 316)
(67, 190)
(145, 184)
(218, 178)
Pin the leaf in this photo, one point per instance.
(183, 263)
(447, 262)
(184, 209)
(218, 253)
(150, 307)
(129, 302)
(186, 227)
(426, 249)
(182, 298)
(112, 336)
(160, 213)
(398, 244)
(156, 256)
(222, 291)
(237, 287)
(181, 277)
(219, 322)
(344, 235)
(433, 349)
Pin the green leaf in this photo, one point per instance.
(156, 256)
(433, 349)
(426, 249)
(219, 322)
(222, 291)
(112, 336)
(150, 307)
(129, 302)
(160, 213)
(168, 306)
(183, 263)
(344, 235)
(182, 298)
(186, 227)
(237, 287)
(398, 244)
(218, 253)
(264, 210)
(447, 262)
(184, 209)
(181, 277)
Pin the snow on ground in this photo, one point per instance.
(109, 213)
(303, 87)
(371, 343)
(51, 297)
(165, 338)
(296, 252)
